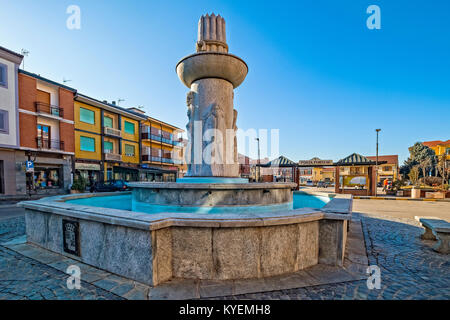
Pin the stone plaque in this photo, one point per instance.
(71, 237)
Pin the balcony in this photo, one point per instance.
(48, 109)
(109, 156)
(147, 157)
(148, 136)
(48, 144)
(112, 132)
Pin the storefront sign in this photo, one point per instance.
(87, 166)
(315, 162)
(29, 166)
(71, 237)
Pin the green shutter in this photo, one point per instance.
(129, 127)
(108, 146)
(87, 144)
(108, 122)
(87, 116)
(129, 150)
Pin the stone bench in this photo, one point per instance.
(437, 230)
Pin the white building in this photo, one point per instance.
(9, 121)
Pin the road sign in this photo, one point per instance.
(30, 166)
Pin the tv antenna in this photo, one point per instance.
(66, 80)
(25, 53)
(120, 100)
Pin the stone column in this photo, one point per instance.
(211, 75)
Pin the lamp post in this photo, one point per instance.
(259, 162)
(376, 165)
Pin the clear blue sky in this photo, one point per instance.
(316, 72)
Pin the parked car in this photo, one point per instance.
(309, 183)
(322, 184)
(109, 186)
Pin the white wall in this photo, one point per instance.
(53, 90)
(8, 98)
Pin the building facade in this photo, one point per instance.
(440, 148)
(306, 174)
(46, 126)
(388, 170)
(107, 141)
(162, 151)
(12, 180)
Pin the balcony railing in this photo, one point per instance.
(112, 156)
(149, 136)
(112, 132)
(46, 108)
(146, 157)
(48, 144)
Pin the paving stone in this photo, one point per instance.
(410, 269)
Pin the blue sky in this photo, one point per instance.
(317, 72)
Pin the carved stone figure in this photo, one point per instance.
(235, 114)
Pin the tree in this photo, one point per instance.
(414, 175)
(419, 153)
(444, 172)
(425, 165)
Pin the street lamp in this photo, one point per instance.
(376, 165)
(259, 161)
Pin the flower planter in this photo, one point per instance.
(415, 193)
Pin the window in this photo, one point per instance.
(47, 178)
(386, 168)
(107, 122)
(43, 136)
(87, 144)
(447, 151)
(87, 116)
(129, 127)
(3, 75)
(108, 146)
(4, 124)
(129, 150)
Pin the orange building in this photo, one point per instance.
(46, 122)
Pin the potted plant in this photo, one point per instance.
(79, 185)
(414, 178)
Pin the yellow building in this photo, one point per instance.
(440, 148)
(162, 149)
(107, 140)
(325, 174)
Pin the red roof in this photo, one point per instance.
(435, 143)
(391, 159)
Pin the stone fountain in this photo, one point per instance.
(212, 182)
(210, 225)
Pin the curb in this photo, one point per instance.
(404, 199)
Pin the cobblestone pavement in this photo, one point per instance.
(410, 269)
(25, 278)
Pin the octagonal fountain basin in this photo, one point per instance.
(123, 201)
(153, 247)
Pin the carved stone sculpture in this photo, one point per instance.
(211, 75)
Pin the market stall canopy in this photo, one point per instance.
(280, 162)
(357, 160)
